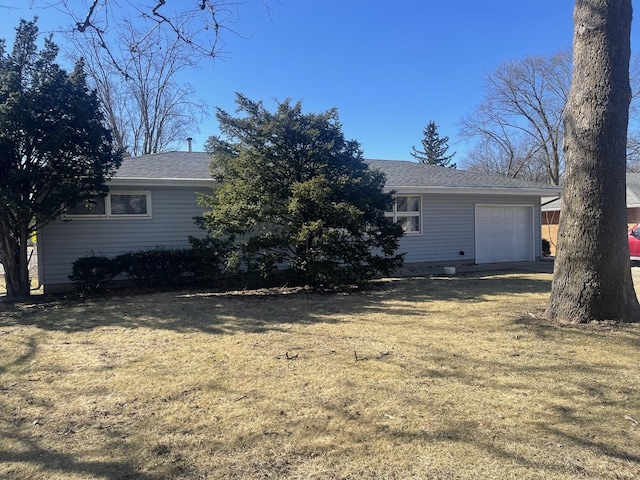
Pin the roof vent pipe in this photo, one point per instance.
(189, 143)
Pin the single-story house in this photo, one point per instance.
(450, 216)
(550, 210)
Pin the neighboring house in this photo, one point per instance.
(450, 216)
(551, 208)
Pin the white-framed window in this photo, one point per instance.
(407, 211)
(96, 207)
(114, 205)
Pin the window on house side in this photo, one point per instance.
(128, 204)
(117, 204)
(407, 213)
(96, 207)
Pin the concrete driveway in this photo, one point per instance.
(635, 273)
(541, 266)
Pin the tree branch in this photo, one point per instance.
(82, 26)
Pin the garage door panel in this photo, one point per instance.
(503, 233)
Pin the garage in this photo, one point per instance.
(504, 233)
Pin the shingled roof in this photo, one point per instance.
(402, 176)
(633, 194)
(166, 166)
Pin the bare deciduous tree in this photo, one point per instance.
(522, 112)
(507, 157)
(146, 44)
(633, 134)
(196, 24)
(592, 277)
(145, 105)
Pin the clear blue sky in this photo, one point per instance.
(388, 67)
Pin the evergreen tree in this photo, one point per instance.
(295, 193)
(434, 148)
(54, 149)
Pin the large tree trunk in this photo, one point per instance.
(13, 256)
(592, 277)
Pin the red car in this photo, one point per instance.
(634, 242)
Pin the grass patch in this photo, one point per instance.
(443, 378)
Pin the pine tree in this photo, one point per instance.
(434, 148)
(294, 193)
(54, 150)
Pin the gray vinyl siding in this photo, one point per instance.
(62, 242)
(449, 227)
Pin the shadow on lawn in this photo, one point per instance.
(494, 383)
(470, 287)
(256, 311)
(30, 348)
(576, 431)
(56, 462)
(577, 404)
(566, 438)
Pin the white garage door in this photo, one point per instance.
(504, 233)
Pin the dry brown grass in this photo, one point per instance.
(445, 378)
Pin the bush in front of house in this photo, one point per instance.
(546, 247)
(158, 266)
(93, 273)
(150, 268)
(210, 254)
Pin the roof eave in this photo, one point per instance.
(536, 192)
(160, 182)
(200, 182)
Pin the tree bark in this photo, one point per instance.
(13, 256)
(592, 277)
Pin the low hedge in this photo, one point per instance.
(155, 267)
(93, 273)
(159, 267)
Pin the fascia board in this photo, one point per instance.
(537, 192)
(199, 182)
(160, 182)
